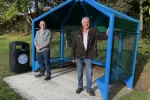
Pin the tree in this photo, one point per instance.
(143, 7)
(139, 9)
(27, 10)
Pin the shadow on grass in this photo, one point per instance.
(141, 62)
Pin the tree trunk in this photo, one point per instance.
(141, 16)
(149, 11)
(36, 7)
(25, 28)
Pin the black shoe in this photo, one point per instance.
(47, 78)
(39, 75)
(79, 90)
(91, 93)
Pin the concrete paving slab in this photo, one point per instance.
(62, 86)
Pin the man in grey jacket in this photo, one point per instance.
(42, 43)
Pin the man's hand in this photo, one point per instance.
(37, 48)
(74, 61)
(107, 31)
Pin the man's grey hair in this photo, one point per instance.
(43, 21)
(85, 18)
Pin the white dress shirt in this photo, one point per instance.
(85, 39)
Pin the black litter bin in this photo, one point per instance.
(19, 60)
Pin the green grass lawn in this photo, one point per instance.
(5, 92)
(8, 94)
(135, 95)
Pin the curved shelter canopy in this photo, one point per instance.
(121, 51)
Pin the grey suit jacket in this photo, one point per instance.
(43, 40)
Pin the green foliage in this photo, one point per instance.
(6, 93)
(55, 45)
(143, 57)
(2, 7)
(9, 9)
(23, 5)
(11, 12)
(132, 8)
(120, 5)
(144, 47)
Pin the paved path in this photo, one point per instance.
(62, 86)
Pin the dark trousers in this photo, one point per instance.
(43, 60)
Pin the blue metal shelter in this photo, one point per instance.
(117, 68)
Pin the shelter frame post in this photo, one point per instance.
(119, 48)
(103, 82)
(61, 46)
(33, 47)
